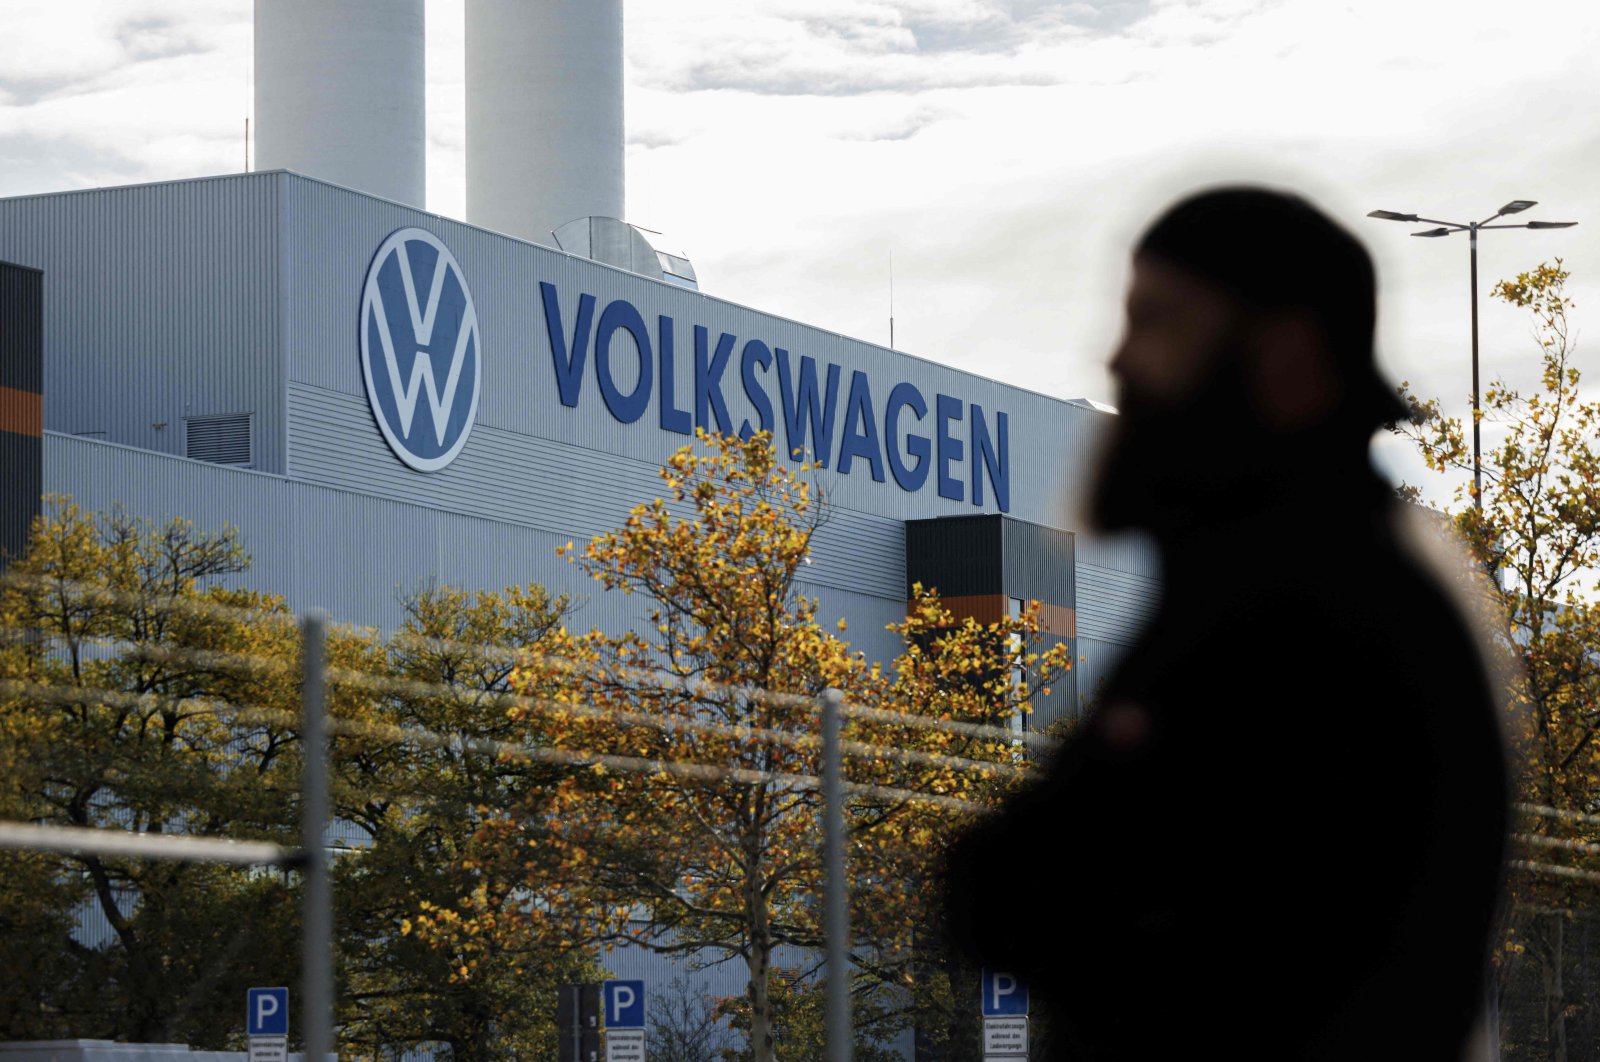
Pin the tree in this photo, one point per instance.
(692, 823)
(799, 1020)
(137, 693)
(1538, 535)
(420, 805)
(684, 1024)
(122, 661)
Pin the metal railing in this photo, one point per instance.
(310, 857)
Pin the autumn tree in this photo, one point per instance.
(138, 693)
(799, 1019)
(419, 805)
(1537, 534)
(693, 823)
(122, 654)
(683, 1023)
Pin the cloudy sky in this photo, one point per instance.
(1003, 153)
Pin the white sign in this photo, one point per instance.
(624, 1045)
(1005, 1037)
(269, 1049)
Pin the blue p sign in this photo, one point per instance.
(1003, 994)
(624, 1004)
(267, 1012)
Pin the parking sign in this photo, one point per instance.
(267, 1012)
(624, 1004)
(1003, 995)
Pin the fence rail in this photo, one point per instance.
(100, 841)
(832, 749)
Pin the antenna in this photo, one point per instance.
(891, 298)
(249, 97)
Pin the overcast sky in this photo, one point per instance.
(1004, 152)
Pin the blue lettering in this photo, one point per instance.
(708, 379)
(862, 442)
(621, 315)
(809, 406)
(946, 409)
(801, 403)
(755, 353)
(672, 418)
(568, 360)
(906, 396)
(986, 456)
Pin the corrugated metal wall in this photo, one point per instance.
(958, 556)
(356, 555)
(573, 492)
(161, 301)
(331, 234)
(707, 977)
(1114, 605)
(242, 294)
(21, 404)
(577, 470)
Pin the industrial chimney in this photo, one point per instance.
(340, 93)
(544, 114)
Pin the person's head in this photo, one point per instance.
(1246, 358)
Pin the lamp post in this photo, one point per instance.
(1471, 228)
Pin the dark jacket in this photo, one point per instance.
(1291, 846)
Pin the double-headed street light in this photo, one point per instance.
(1447, 228)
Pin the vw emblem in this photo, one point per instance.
(420, 352)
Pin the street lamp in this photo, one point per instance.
(1516, 206)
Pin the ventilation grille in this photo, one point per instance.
(223, 440)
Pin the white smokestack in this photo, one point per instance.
(340, 93)
(544, 114)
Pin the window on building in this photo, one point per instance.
(1019, 677)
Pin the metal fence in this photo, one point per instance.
(310, 857)
(1538, 852)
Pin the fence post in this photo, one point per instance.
(316, 950)
(836, 920)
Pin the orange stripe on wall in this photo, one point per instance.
(991, 608)
(985, 608)
(21, 412)
(1061, 622)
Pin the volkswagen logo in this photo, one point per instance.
(420, 351)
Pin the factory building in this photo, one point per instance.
(378, 397)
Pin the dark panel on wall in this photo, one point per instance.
(21, 328)
(978, 563)
(22, 482)
(973, 556)
(21, 403)
(960, 556)
(1038, 563)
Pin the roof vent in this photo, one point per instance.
(1091, 403)
(625, 246)
(221, 440)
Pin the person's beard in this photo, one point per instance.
(1167, 465)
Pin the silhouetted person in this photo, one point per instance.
(1279, 832)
